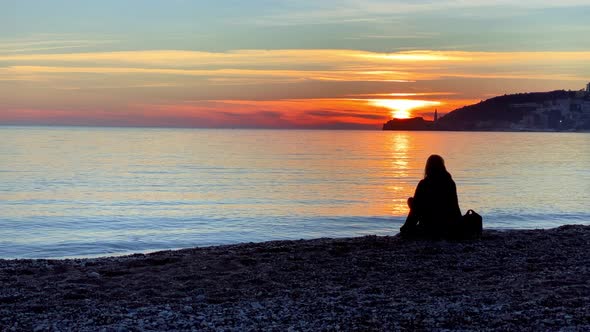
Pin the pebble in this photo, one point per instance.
(376, 283)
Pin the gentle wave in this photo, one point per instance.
(47, 238)
(70, 192)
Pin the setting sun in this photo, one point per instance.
(400, 108)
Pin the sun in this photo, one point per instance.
(400, 108)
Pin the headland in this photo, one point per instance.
(559, 110)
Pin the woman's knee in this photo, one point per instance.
(411, 202)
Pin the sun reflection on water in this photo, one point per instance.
(399, 146)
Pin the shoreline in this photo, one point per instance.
(510, 279)
(211, 246)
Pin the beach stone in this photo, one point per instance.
(375, 283)
(40, 327)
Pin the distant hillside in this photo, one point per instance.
(499, 112)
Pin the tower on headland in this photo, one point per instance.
(436, 112)
(588, 87)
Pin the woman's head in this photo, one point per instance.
(435, 165)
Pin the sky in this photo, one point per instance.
(346, 64)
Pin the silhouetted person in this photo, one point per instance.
(434, 209)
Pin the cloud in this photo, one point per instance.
(264, 114)
(259, 66)
(404, 94)
(413, 35)
(351, 114)
(268, 88)
(289, 113)
(339, 12)
(352, 11)
(8, 46)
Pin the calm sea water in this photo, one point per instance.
(72, 192)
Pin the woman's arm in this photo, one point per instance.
(413, 215)
(455, 199)
(419, 197)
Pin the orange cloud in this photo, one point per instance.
(337, 65)
(295, 112)
(277, 113)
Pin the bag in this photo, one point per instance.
(471, 225)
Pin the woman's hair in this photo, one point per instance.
(435, 165)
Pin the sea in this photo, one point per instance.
(68, 192)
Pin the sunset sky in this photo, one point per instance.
(279, 64)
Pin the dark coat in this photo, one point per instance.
(435, 207)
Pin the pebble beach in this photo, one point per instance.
(507, 280)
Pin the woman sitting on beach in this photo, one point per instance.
(434, 209)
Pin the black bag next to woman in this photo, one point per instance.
(470, 226)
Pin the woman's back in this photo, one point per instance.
(435, 206)
(436, 203)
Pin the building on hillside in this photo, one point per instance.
(554, 119)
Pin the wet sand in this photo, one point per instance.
(508, 280)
